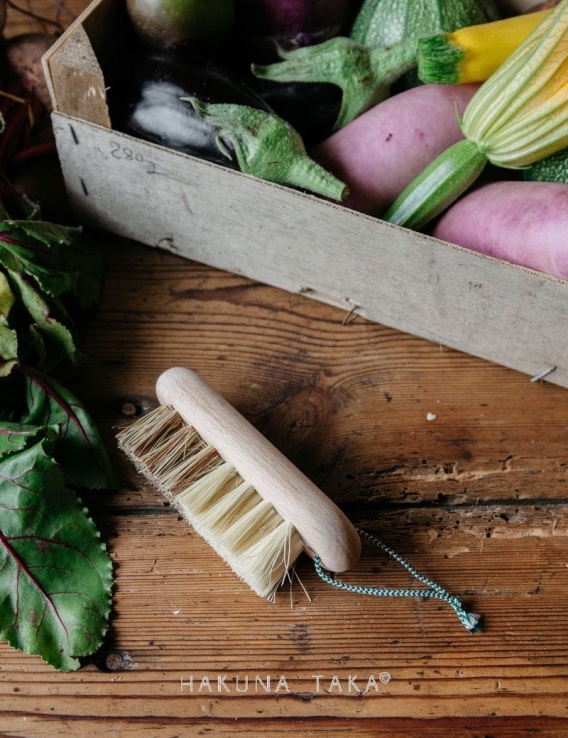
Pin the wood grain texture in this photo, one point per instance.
(457, 463)
(76, 80)
(475, 498)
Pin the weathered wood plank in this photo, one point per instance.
(349, 403)
(180, 612)
(267, 728)
(76, 80)
(416, 284)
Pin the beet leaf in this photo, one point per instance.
(78, 448)
(55, 574)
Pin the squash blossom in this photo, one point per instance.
(516, 118)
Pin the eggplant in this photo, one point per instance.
(312, 108)
(145, 101)
(264, 26)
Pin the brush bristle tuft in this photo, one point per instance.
(245, 530)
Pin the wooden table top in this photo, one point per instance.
(458, 464)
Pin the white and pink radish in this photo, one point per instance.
(382, 151)
(524, 223)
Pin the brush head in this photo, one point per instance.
(243, 528)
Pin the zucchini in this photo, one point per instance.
(436, 188)
(473, 53)
(387, 22)
(552, 169)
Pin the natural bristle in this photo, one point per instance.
(227, 512)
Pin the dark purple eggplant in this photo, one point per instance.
(265, 25)
(145, 101)
(312, 108)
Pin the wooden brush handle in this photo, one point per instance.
(324, 529)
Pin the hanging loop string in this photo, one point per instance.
(470, 621)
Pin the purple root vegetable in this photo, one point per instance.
(524, 223)
(265, 25)
(383, 150)
(22, 60)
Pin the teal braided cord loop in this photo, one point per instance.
(470, 621)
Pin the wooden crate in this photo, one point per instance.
(301, 243)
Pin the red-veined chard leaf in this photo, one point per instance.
(48, 314)
(55, 574)
(8, 336)
(87, 260)
(46, 233)
(59, 259)
(79, 447)
(36, 248)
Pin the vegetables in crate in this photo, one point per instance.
(268, 147)
(379, 154)
(520, 222)
(361, 65)
(552, 169)
(200, 108)
(363, 75)
(517, 117)
(387, 22)
(265, 27)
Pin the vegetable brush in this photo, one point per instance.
(244, 497)
(198, 450)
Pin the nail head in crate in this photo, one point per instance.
(298, 242)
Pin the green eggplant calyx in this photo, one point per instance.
(269, 148)
(438, 186)
(363, 74)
